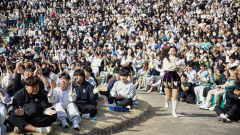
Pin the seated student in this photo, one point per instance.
(186, 92)
(31, 109)
(220, 63)
(6, 75)
(208, 80)
(219, 75)
(190, 72)
(110, 69)
(232, 62)
(88, 71)
(231, 109)
(123, 91)
(154, 77)
(142, 73)
(200, 74)
(221, 90)
(238, 75)
(83, 95)
(158, 83)
(18, 83)
(116, 78)
(220, 79)
(61, 97)
(4, 99)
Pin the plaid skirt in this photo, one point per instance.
(171, 80)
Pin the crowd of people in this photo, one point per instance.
(188, 50)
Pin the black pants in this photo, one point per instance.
(233, 113)
(188, 96)
(87, 108)
(39, 121)
(124, 101)
(205, 91)
(105, 93)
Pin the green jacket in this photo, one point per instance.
(210, 82)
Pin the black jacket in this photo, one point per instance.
(19, 84)
(231, 99)
(221, 79)
(33, 105)
(85, 93)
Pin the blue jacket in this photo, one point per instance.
(85, 94)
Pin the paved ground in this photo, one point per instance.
(191, 121)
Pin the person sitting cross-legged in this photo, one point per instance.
(61, 97)
(31, 110)
(83, 95)
(123, 91)
(231, 109)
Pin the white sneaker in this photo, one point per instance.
(44, 130)
(201, 106)
(86, 116)
(223, 118)
(76, 125)
(204, 107)
(212, 108)
(128, 106)
(166, 104)
(228, 120)
(174, 114)
(161, 93)
(64, 123)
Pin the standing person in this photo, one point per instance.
(171, 79)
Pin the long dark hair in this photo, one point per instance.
(164, 52)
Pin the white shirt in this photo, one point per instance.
(127, 90)
(172, 64)
(234, 64)
(201, 74)
(191, 76)
(60, 96)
